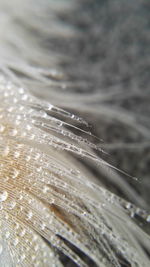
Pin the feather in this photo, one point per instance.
(55, 204)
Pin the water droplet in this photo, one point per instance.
(29, 215)
(16, 241)
(21, 90)
(24, 97)
(1, 248)
(15, 173)
(2, 128)
(5, 151)
(33, 257)
(45, 189)
(15, 100)
(22, 233)
(148, 218)
(12, 205)
(39, 169)
(36, 247)
(7, 235)
(3, 196)
(13, 132)
(17, 154)
(43, 226)
(23, 257)
(28, 127)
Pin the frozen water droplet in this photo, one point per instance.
(3, 196)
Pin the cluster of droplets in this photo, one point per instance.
(42, 196)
